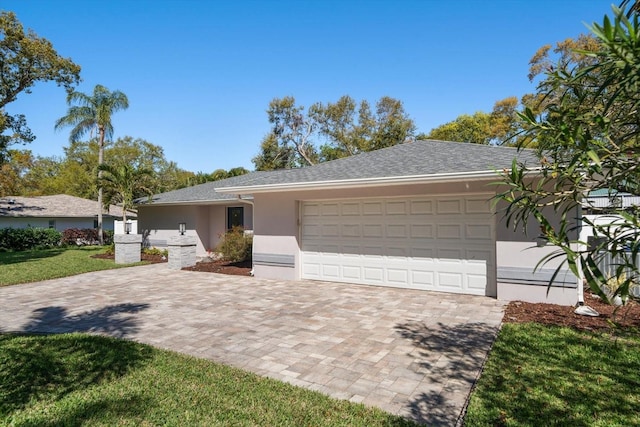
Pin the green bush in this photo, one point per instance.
(23, 239)
(155, 251)
(235, 245)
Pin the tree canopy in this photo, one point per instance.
(331, 131)
(25, 60)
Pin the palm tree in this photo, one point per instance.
(123, 183)
(93, 114)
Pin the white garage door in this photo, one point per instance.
(432, 243)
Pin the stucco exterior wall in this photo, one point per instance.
(207, 223)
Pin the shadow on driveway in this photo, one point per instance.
(451, 357)
(113, 320)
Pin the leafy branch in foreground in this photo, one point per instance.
(588, 138)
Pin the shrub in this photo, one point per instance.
(85, 237)
(22, 239)
(155, 251)
(235, 245)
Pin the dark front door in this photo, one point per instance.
(235, 217)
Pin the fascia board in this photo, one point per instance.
(361, 182)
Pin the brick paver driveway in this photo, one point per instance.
(409, 352)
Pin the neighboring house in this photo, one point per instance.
(416, 215)
(60, 212)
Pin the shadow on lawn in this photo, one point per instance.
(19, 257)
(113, 320)
(450, 356)
(48, 368)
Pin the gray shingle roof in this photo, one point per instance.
(411, 159)
(202, 192)
(58, 206)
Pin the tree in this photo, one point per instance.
(93, 114)
(26, 59)
(501, 126)
(347, 128)
(123, 184)
(588, 136)
(12, 172)
(292, 128)
(273, 155)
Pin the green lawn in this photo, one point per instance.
(544, 376)
(32, 266)
(78, 379)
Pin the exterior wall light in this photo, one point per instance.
(127, 227)
(182, 228)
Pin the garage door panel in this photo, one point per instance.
(395, 231)
(449, 231)
(421, 231)
(350, 209)
(372, 231)
(477, 205)
(372, 208)
(421, 207)
(448, 207)
(450, 280)
(432, 243)
(478, 231)
(396, 207)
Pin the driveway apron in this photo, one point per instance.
(412, 353)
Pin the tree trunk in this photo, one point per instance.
(100, 160)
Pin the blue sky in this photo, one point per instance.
(200, 74)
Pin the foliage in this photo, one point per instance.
(84, 237)
(45, 264)
(588, 137)
(26, 60)
(236, 245)
(541, 375)
(12, 171)
(346, 127)
(501, 126)
(23, 239)
(155, 251)
(81, 379)
(123, 184)
(75, 173)
(190, 178)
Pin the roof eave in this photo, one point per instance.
(361, 182)
(194, 202)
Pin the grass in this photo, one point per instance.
(553, 376)
(79, 379)
(36, 265)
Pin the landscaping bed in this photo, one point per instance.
(551, 314)
(242, 268)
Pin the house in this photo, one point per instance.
(60, 212)
(416, 215)
(206, 213)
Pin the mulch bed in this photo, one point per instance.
(627, 316)
(242, 268)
